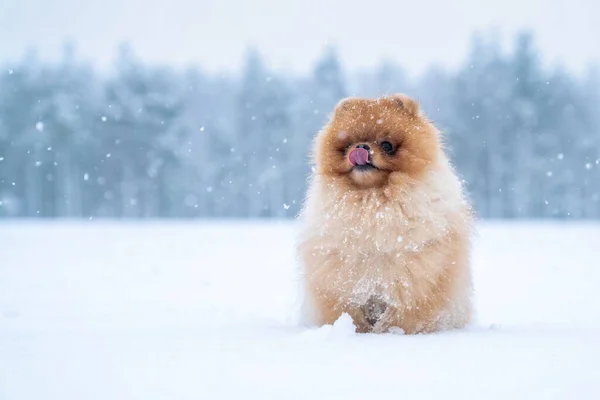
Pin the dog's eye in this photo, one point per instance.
(387, 147)
(344, 147)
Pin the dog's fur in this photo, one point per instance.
(390, 245)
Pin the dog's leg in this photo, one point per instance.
(326, 310)
(371, 313)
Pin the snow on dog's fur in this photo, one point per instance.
(386, 238)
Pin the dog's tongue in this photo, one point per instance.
(359, 156)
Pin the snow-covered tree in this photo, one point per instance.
(149, 141)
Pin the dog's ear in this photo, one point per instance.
(406, 103)
(346, 104)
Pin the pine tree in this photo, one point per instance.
(263, 120)
(481, 103)
(27, 159)
(140, 136)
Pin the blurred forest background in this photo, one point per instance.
(151, 141)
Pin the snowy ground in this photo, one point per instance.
(206, 311)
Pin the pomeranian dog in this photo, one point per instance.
(386, 227)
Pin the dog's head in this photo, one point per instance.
(368, 141)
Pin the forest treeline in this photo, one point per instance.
(153, 141)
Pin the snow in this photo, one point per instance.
(108, 310)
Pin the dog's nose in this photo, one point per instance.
(363, 146)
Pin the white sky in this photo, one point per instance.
(215, 33)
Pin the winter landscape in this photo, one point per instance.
(154, 158)
(98, 310)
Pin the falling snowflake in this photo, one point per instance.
(549, 173)
(209, 189)
(1, 158)
(379, 121)
(38, 163)
(86, 177)
(399, 239)
(103, 118)
(202, 129)
(560, 156)
(190, 200)
(10, 71)
(286, 206)
(39, 126)
(285, 140)
(107, 155)
(588, 166)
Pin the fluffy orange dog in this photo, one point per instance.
(386, 235)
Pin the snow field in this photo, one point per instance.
(108, 310)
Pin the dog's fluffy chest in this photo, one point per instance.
(374, 243)
(365, 240)
(372, 224)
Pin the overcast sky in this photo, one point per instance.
(215, 33)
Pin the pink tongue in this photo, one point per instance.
(358, 156)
